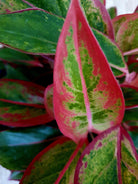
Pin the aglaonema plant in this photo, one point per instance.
(68, 92)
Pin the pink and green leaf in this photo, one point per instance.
(110, 158)
(48, 100)
(26, 30)
(7, 6)
(103, 1)
(112, 53)
(119, 20)
(22, 103)
(21, 92)
(126, 37)
(97, 16)
(82, 88)
(131, 126)
(133, 63)
(22, 115)
(50, 162)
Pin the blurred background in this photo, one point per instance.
(123, 6)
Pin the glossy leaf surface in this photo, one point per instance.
(48, 98)
(32, 31)
(59, 153)
(7, 6)
(19, 146)
(21, 92)
(97, 16)
(82, 88)
(126, 37)
(112, 53)
(57, 7)
(110, 158)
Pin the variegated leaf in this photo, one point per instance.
(86, 94)
(110, 158)
(7, 6)
(97, 16)
(21, 92)
(22, 115)
(50, 162)
(127, 37)
(119, 20)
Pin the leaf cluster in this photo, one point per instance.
(68, 92)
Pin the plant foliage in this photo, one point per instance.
(68, 92)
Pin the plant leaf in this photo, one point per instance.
(59, 153)
(57, 7)
(32, 31)
(126, 36)
(110, 158)
(14, 73)
(131, 95)
(21, 92)
(48, 98)
(19, 146)
(119, 20)
(131, 126)
(97, 16)
(134, 136)
(21, 115)
(103, 1)
(133, 63)
(112, 53)
(7, 6)
(82, 88)
(112, 12)
(12, 56)
(131, 114)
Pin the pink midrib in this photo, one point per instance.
(84, 88)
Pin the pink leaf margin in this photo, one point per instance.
(121, 132)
